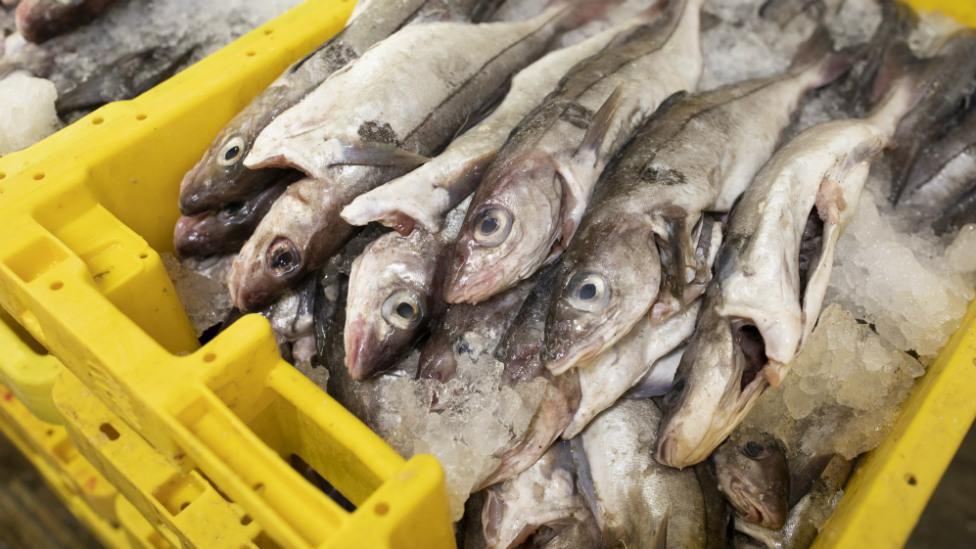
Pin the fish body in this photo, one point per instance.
(765, 298)
(530, 202)
(544, 495)
(220, 177)
(697, 154)
(41, 20)
(946, 92)
(636, 501)
(754, 475)
(425, 195)
(394, 292)
(226, 230)
(368, 124)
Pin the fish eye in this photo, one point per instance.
(402, 310)
(231, 152)
(588, 292)
(754, 450)
(283, 257)
(492, 226)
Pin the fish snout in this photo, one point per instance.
(365, 352)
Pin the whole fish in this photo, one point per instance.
(611, 374)
(220, 178)
(371, 122)
(41, 20)
(425, 195)
(532, 198)
(766, 298)
(438, 357)
(953, 74)
(754, 476)
(805, 518)
(944, 172)
(393, 295)
(226, 230)
(699, 153)
(544, 495)
(637, 502)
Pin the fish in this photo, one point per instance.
(947, 94)
(765, 298)
(944, 172)
(399, 101)
(40, 20)
(544, 495)
(805, 518)
(220, 177)
(754, 475)
(962, 212)
(697, 154)
(659, 379)
(424, 196)
(394, 293)
(527, 207)
(637, 502)
(449, 337)
(292, 319)
(226, 230)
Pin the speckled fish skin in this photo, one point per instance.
(754, 476)
(424, 196)
(41, 20)
(220, 177)
(950, 82)
(394, 292)
(411, 92)
(438, 358)
(544, 494)
(944, 172)
(805, 518)
(530, 202)
(637, 502)
(226, 230)
(444, 85)
(699, 153)
(760, 307)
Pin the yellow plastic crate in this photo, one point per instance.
(86, 212)
(87, 494)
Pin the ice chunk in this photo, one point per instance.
(961, 254)
(843, 393)
(901, 283)
(27, 112)
(466, 423)
(201, 288)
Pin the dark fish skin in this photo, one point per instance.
(225, 231)
(132, 74)
(521, 347)
(951, 79)
(438, 357)
(962, 212)
(41, 20)
(220, 177)
(753, 474)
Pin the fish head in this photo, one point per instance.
(387, 307)
(754, 475)
(506, 236)
(606, 284)
(437, 358)
(220, 177)
(277, 255)
(198, 236)
(719, 379)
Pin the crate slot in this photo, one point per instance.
(178, 493)
(36, 259)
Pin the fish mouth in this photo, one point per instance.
(752, 510)
(246, 297)
(472, 287)
(359, 355)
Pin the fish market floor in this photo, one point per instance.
(32, 516)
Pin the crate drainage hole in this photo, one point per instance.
(2, 175)
(259, 487)
(910, 478)
(57, 285)
(97, 120)
(252, 53)
(381, 509)
(141, 116)
(143, 256)
(38, 176)
(109, 431)
(49, 432)
(268, 32)
(245, 520)
(209, 357)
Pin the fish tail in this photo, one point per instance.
(818, 58)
